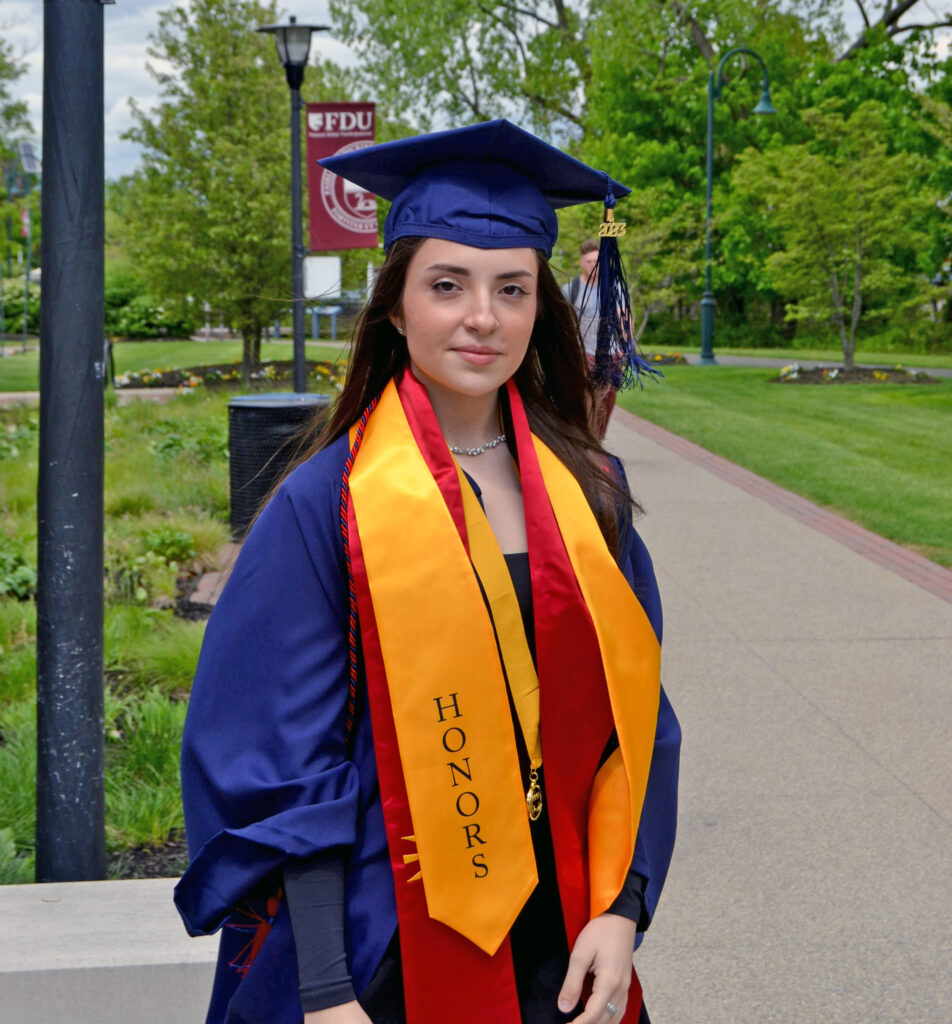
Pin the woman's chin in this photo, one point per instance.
(467, 381)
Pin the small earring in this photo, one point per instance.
(400, 330)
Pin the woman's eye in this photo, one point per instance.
(445, 287)
(514, 290)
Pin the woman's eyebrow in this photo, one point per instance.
(449, 268)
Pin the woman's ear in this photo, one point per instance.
(397, 320)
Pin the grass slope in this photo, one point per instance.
(880, 454)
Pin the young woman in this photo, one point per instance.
(428, 769)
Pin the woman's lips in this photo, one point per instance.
(477, 355)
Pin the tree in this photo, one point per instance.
(472, 60)
(647, 111)
(645, 119)
(13, 119)
(849, 214)
(889, 19)
(207, 214)
(13, 125)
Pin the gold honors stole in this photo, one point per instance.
(454, 803)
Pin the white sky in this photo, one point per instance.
(128, 24)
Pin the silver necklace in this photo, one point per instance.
(482, 448)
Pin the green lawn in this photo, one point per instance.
(20, 371)
(879, 454)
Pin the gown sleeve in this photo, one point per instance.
(266, 775)
(654, 843)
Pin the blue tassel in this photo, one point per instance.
(618, 363)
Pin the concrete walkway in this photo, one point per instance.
(812, 881)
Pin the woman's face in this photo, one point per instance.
(467, 314)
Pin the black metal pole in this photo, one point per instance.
(297, 247)
(70, 832)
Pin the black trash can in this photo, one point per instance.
(264, 432)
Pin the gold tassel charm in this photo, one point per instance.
(534, 796)
(609, 227)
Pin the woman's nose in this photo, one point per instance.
(480, 316)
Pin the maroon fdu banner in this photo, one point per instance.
(340, 215)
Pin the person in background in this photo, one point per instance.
(582, 292)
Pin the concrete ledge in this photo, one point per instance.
(100, 953)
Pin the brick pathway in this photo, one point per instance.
(900, 560)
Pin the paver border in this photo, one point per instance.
(913, 567)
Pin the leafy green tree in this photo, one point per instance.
(646, 117)
(848, 214)
(647, 113)
(469, 60)
(892, 19)
(13, 126)
(207, 214)
(13, 112)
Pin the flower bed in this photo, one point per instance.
(666, 358)
(793, 373)
(226, 374)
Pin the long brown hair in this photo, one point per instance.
(553, 381)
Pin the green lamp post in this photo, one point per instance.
(715, 85)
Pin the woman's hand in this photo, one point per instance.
(604, 948)
(346, 1013)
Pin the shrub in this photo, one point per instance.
(133, 312)
(13, 305)
(18, 438)
(17, 572)
(171, 544)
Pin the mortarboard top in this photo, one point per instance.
(489, 185)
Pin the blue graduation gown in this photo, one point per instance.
(268, 773)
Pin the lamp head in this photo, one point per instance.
(293, 43)
(765, 106)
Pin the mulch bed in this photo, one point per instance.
(858, 375)
(166, 861)
(185, 608)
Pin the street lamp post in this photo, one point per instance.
(293, 42)
(715, 85)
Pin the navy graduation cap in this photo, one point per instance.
(489, 185)
(494, 186)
